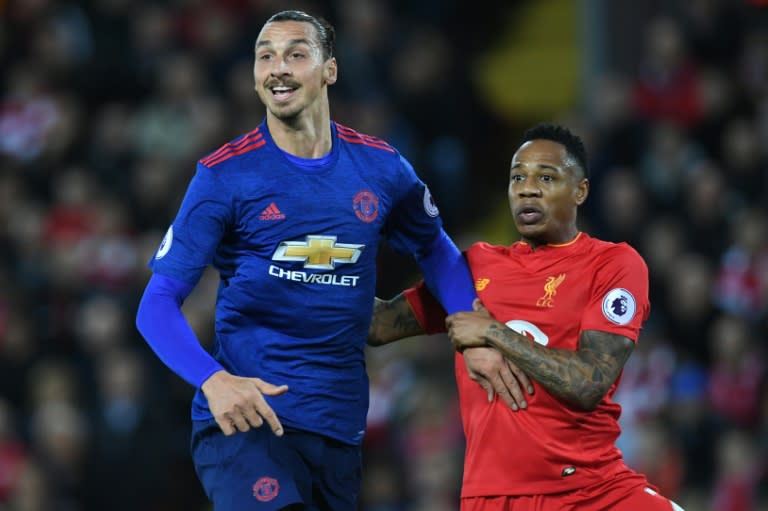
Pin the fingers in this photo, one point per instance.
(253, 417)
(506, 379)
(477, 306)
(509, 383)
(488, 388)
(271, 418)
(240, 423)
(522, 378)
(270, 389)
(509, 391)
(265, 411)
(226, 425)
(238, 420)
(507, 387)
(239, 405)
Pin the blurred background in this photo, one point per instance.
(106, 105)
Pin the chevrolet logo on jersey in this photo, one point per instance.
(318, 252)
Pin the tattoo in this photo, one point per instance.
(580, 377)
(392, 320)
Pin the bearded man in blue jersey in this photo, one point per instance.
(291, 215)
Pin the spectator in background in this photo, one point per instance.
(737, 371)
(667, 87)
(742, 276)
(739, 472)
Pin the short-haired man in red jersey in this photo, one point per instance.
(566, 309)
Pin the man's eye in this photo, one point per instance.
(265, 56)
(516, 178)
(547, 178)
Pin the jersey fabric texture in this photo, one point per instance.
(295, 244)
(550, 294)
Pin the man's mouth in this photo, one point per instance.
(282, 92)
(529, 214)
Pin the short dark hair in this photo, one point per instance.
(573, 144)
(325, 30)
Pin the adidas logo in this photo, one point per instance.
(272, 212)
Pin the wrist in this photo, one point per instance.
(492, 336)
(213, 380)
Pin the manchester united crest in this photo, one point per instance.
(366, 206)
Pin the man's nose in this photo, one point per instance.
(528, 188)
(279, 67)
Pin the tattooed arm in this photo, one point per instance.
(581, 377)
(392, 320)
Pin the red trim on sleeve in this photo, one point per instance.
(429, 313)
(247, 143)
(353, 137)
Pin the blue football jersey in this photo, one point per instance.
(295, 244)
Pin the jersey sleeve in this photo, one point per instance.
(428, 311)
(191, 241)
(414, 222)
(619, 301)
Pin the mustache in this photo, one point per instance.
(281, 83)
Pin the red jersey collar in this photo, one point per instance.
(524, 246)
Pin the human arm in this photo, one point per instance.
(236, 403)
(446, 274)
(582, 377)
(395, 319)
(414, 226)
(392, 320)
(187, 249)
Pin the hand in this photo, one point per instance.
(496, 375)
(467, 329)
(238, 403)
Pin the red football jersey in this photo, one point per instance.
(551, 295)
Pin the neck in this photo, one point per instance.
(307, 135)
(536, 242)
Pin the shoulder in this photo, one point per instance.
(483, 246)
(233, 150)
(362, 142)
(607, 252)
(482, 250)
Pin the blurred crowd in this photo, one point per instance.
(106, 105)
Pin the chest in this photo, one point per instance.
(545, 302)
(338, 207)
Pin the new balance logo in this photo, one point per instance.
(271, 212)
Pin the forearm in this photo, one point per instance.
(581, 378)
(163, 325)
(447, 275)
(392, 320)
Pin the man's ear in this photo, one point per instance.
(330, 71)
(582, 191)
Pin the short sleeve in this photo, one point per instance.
(619, 300)
(428, 311)
(414, 222)
(191, 241)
